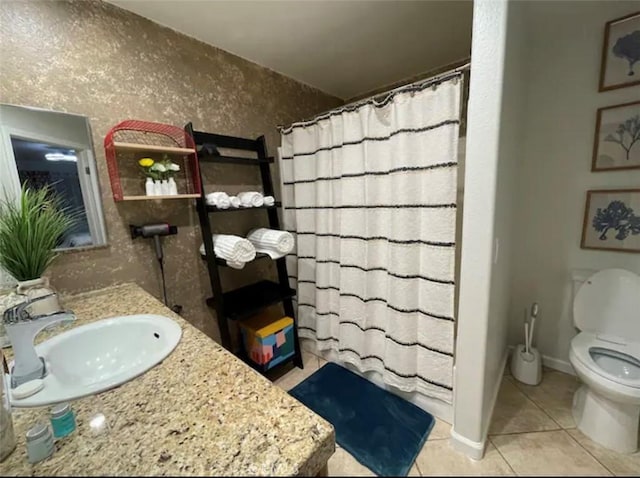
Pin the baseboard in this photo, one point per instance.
(473, 449)
(554, 363)
(494, 395)
(557, 364)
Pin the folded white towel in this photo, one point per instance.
(269, 200)
(235, 202)
(251, 199)
(273, 242)
(233, 249)
(219, 199)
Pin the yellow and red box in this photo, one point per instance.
(267, 341)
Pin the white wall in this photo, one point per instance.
(496, 105)
(562, 60)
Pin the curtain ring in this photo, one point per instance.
(455, 80)
(434, 87)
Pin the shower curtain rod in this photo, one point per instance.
(380, 99)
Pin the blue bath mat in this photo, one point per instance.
(381, 430)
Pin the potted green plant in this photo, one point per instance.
(30, 230)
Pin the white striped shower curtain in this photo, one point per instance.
(369, 192)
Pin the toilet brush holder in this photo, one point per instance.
(526, 367)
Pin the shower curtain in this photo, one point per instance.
(369, 191)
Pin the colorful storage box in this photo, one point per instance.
(267, 341)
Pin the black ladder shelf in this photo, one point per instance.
(243, 302)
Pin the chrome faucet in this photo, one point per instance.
(22, 323)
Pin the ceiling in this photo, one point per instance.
(345, 48)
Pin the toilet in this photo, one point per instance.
(606, 357)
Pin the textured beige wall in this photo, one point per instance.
(94, 59)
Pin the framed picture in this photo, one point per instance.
(621, 53)
(616, 143)
(612, 220)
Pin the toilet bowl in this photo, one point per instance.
(606, 357)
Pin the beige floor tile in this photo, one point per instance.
(547, 453)
(515, 413)
(440, 431)
(414, 471)
(296, 375)
(343, 464)
(554, 395)
(438, 458)
(619, 464)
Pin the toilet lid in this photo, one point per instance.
(608, 304)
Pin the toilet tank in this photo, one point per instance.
(578, 276)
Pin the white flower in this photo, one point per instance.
(158, 167)
(173, 167)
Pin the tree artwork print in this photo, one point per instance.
(628, 48)
(617, 137)
(616, 216)
(612, 220)
(620, 67)
(627, 134)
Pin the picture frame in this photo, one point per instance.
(620, 66)
(616, 143)
(612, 220)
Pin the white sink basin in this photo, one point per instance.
(96, 357)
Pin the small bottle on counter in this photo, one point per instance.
(39, 443)
(63, 420)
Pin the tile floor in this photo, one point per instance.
(532, 433)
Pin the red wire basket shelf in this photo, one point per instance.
(143, 138)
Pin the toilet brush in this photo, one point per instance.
(534, 314)
(526, 365)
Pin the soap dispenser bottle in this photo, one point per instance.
(7, 435)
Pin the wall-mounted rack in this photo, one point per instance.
(149, 139)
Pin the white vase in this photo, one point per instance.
(164, 188)
(173, 187)
(157, 187)
(149, 187)
(35, 288)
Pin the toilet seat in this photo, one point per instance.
(607, 304)
(582, 347)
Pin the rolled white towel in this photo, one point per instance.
(235, 202)
(223, 203)
(251, 199)
(273, 242)
(269, 200)
(232, 249)
(219, 199)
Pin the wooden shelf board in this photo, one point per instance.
(235, 160)
(174, 196)
(248, 300)
(231, 209)
(152, 148)
(223, 263)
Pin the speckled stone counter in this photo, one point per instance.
(200, 412)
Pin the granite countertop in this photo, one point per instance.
(201, 411)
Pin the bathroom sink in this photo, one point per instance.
(101, 355)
